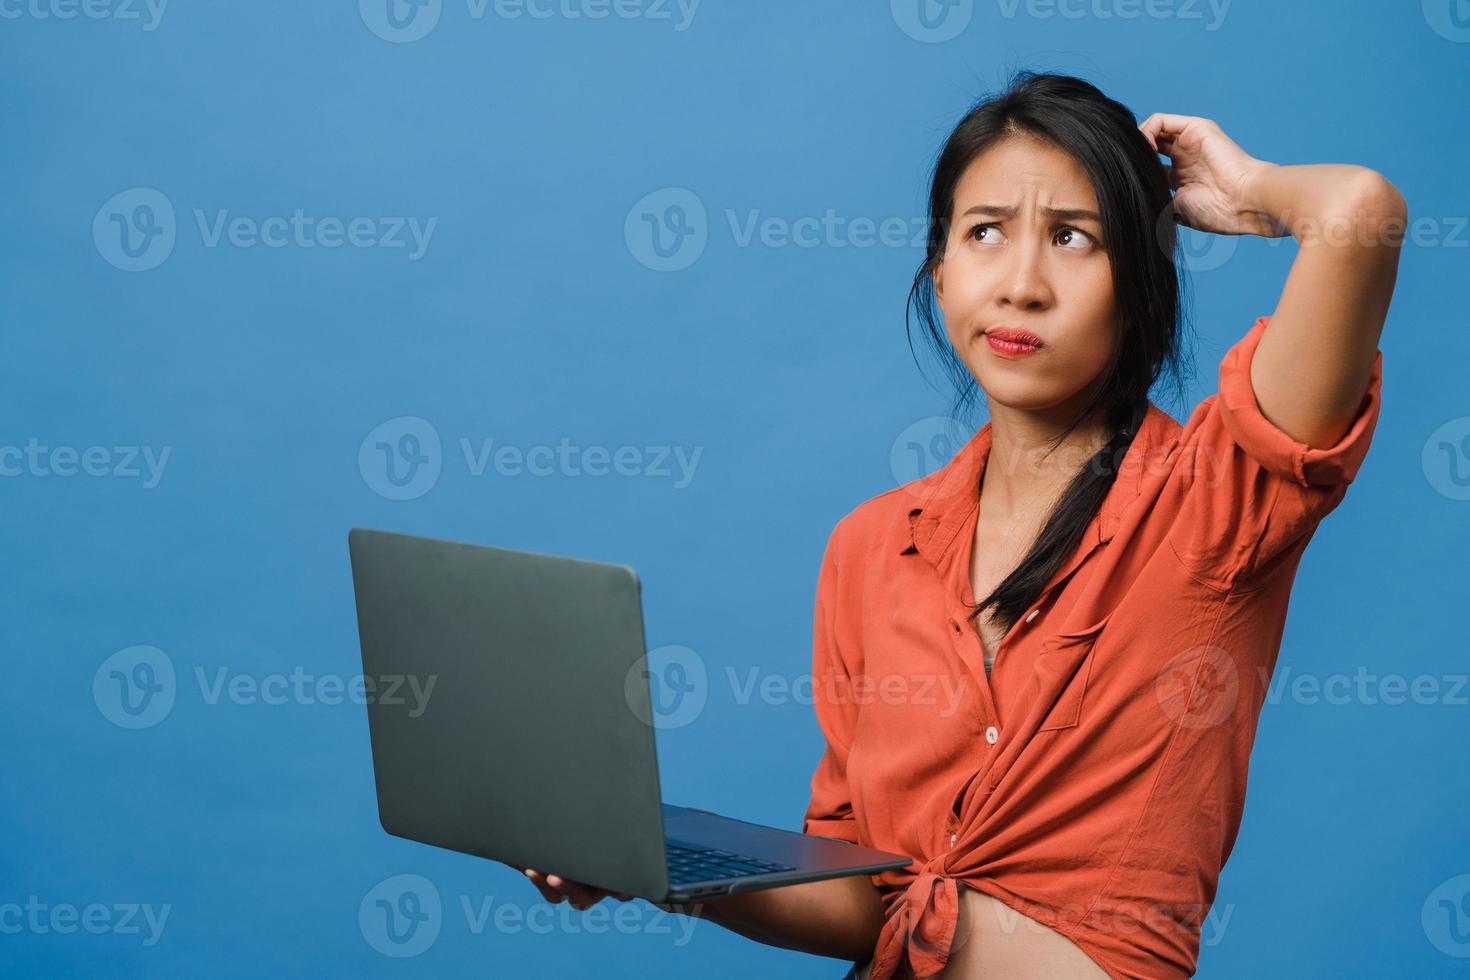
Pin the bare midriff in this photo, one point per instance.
(992, 941)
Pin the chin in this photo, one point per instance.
(1023, 395)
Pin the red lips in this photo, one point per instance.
(1012, 342)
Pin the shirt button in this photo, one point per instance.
(991, 734)
(1032, 615)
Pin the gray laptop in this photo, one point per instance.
(535, 744)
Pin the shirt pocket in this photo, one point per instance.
(1060, 674)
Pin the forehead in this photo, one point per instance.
(1017, 168)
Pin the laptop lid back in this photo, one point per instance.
(507, 707)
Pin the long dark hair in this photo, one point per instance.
(1135, 208)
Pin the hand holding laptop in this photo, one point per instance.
(555, 888)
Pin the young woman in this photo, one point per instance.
(1039, 668)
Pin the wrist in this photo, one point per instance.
(1248, 198)
(1254, 208)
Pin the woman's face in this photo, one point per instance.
(1009, 262)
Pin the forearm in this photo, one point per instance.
(1325, 203)
(838, 917)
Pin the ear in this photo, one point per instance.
(938, 277)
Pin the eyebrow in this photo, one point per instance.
(1056, 214)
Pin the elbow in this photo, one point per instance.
(1379, 209)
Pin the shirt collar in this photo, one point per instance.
(945, 499)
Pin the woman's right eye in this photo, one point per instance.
(978, 229)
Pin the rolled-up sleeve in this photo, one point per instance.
(1255, 491)
(829, 812)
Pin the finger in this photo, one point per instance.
(547, 892)
(581, 896)
(1161, 142)
(551, 894)
(1164, 125)
(1147, 131)
(1162, 129)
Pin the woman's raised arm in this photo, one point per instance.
(1312, 365)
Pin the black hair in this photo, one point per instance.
(1136, 211)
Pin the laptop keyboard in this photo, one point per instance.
(688, 862)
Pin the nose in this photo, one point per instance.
(1027, 284)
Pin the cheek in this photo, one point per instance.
(1094, 314)
(1093, 352)
(1088, 348)
(966, 288)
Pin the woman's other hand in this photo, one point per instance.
(1209, 173)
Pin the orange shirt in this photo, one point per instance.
(1096, 781)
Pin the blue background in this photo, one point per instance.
(534, 316)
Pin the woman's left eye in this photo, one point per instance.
(1077, 234)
